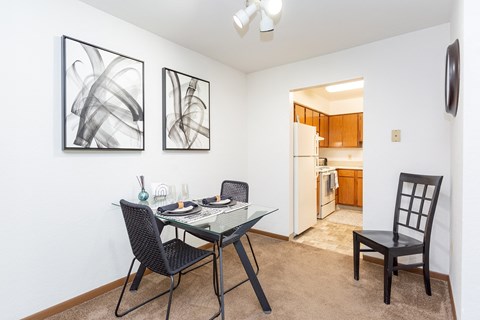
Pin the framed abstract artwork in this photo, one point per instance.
(103, 98)
(186, 112)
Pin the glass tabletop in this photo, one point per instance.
(216, 221)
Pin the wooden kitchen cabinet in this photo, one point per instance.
(323, 121)
(346, 187)
(350, 189)
(309, 117)
(360, 129)
(335, 128)
(299, 113)
(350, 130)
(316, 120)
(344, 131)
(359, 188)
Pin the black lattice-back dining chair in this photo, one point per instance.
(417, 197)
(165, 258)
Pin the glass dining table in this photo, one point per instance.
(222, 226)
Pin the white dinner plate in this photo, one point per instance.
(224, 201)
(180, 210)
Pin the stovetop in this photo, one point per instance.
(324, 169)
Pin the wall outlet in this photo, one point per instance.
(395, 135)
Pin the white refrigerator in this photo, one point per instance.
(305, 149)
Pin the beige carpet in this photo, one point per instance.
(301, 282)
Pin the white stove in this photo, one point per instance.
(325, 169)
(326, 191)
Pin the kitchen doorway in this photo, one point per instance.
(336, 111)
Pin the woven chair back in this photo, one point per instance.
(237, 190)
(144, 234)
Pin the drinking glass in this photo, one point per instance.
(172, 194)
(184, 194)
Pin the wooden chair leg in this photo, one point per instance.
(426, 275)
(395, 264)
(356, 257)
(387, 278)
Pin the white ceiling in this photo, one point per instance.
(305, 29)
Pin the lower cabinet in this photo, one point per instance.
(350, 187)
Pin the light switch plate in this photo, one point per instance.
(395, 135)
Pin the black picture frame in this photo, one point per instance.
(452, 78)
(186, 111)
(103, 98)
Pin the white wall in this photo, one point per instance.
(60, 236)
(465, 158)
(404, 79)
(457, 156)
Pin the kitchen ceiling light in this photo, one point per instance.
(272, 7)
(268, 9)
(345, 86)
(266, 24)
(242, 17)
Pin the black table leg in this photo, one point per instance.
(138, 278)
(252, 277)
(222, 298)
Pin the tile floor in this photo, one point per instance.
(329, 235)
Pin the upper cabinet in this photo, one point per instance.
(350, 130)
(360, 129)
(324, 123)
(338, 131)
(335, 129)
(299, 114)
(345, 131)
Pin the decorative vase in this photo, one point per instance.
(143, 195)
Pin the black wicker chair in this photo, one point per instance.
(166, 258)
(417, 197)
(236, 190)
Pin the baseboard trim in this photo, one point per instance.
(433, 274)
(450, 290)
(68, 304)
(269, 234)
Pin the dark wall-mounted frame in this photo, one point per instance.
(186, 111)
(452, 78)
(103, 98)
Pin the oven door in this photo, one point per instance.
(327, 194)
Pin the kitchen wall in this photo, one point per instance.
(60, 236)
(343, 106)
(311, 100)
(404, 80)
(342, 154)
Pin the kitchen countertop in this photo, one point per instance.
(348, 167)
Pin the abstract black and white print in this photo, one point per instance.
(186, 112)
(102, 98)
